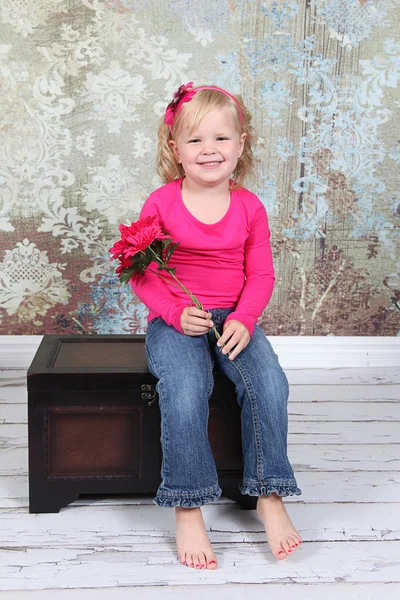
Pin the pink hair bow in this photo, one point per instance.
(183, 94)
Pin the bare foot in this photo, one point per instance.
(194, 547)
(282, 536)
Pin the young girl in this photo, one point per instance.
(224, 258)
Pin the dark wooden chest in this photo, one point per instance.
(94, 423)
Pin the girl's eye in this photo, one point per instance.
(197, 140)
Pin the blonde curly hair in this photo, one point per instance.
(192, 113)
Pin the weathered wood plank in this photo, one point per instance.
(352, 376)
(127, 525)
(13, 412)
(156, 563)
(199, 591)
(322, 410)
(13, 395)
(352, 393)
(12, 379)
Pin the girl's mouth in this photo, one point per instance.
(211, 164)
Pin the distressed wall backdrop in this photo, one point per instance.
(83, 83)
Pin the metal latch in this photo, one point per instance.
(148, 392)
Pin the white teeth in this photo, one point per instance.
(211, 163)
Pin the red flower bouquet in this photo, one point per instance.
(141, 243)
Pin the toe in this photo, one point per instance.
(280, 552)
(296, 536)
(191, 561)
(287, 546)
(203, 560)
(211, 561)
(293, 543)
(183, 559)
(196, 561)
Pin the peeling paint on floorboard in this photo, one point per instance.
(346, 461)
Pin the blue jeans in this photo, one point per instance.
(184, 367)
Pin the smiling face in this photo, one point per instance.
(210, 154)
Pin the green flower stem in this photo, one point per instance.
(185, 289)
(164, 278)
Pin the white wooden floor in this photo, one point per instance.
(344, 446)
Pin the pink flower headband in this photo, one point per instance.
(184, 94)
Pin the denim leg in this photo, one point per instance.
(262, 390)
(184, 367)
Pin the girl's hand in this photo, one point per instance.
(195, 321)
(234, 334)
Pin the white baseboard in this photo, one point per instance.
(294, 352)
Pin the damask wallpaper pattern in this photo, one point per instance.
(83, 83)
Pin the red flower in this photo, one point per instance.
(125, 263)
(183, 94)
(137, 237)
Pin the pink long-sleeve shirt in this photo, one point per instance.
(224, 264)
